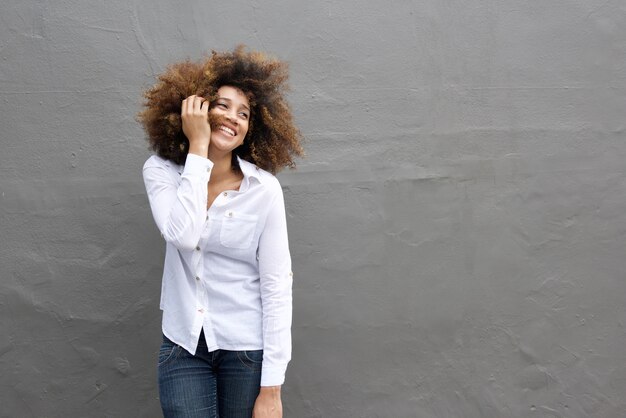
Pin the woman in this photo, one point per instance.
(221, 129)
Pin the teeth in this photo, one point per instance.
(227, 130)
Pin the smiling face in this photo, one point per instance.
(229, 117)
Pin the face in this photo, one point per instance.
(229, 117)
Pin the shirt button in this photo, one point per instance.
(208, 169)
(225, 193)
(201, 310)
(230, 214)
(197, 278)
(290, 274)
(198, 248)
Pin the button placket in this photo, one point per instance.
(201, 295)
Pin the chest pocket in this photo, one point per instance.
(237, 229)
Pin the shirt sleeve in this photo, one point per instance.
(179, 209)
(276, 283)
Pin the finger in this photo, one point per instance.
(189, 107)
(197, 103)
(183, 107)
(205, 106)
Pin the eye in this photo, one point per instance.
(222, 106)
(243, 115)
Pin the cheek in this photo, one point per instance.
(215, 119)
(244, 128)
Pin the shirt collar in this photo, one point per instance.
(250, 170)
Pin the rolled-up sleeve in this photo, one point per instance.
(178, 207)
(276, 297)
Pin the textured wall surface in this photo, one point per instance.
(458, 228)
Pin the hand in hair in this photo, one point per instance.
(272, 141)
(194, 114)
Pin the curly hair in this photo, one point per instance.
(272, 141)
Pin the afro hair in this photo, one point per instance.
(272, 141)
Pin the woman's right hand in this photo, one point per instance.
(194, 114)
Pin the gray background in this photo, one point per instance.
(457, 229)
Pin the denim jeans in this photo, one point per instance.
(214, 384)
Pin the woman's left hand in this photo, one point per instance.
(268, 404)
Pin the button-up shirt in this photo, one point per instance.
(227, 268)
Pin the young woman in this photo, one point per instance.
(221, 129)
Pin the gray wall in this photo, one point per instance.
(457, 229)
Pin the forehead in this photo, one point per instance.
(234, 94)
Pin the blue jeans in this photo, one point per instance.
(214, 384)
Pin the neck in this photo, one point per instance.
(222, 165)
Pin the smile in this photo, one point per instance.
(227, 130)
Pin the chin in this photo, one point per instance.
(224, 146)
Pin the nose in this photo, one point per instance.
(232, 116)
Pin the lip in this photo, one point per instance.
(229, 126)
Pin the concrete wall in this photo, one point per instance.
(458, 229)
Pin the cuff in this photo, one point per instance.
(196, 164)
(273, 376)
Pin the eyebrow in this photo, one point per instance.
(229, 100)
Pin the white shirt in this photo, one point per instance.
(227, 269)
